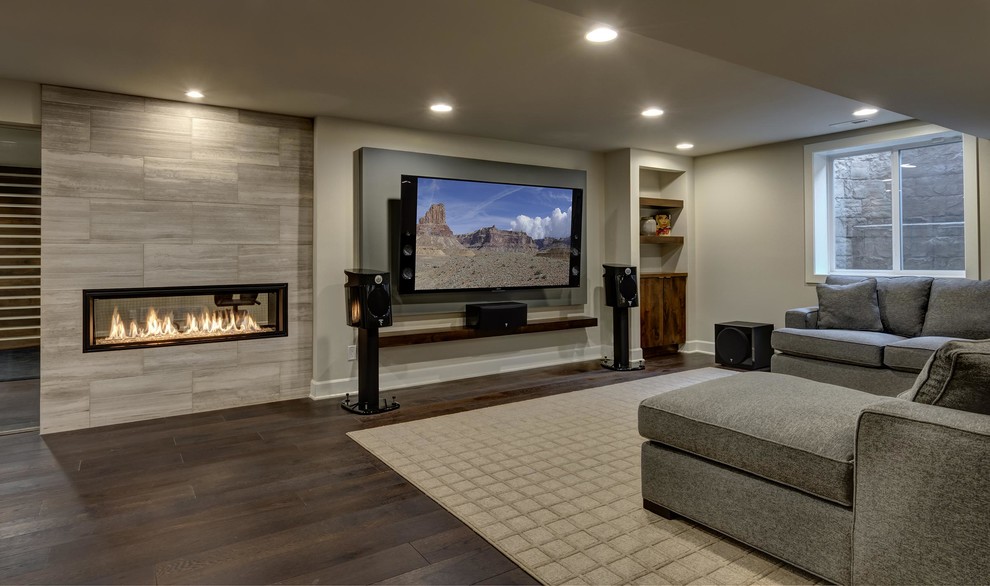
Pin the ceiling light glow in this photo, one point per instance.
(908, 166)
(195, 94)
(865, 112)
(441, 107)
(602, 34)
(685, 146)
(652, 112)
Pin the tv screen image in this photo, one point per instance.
(485, 235)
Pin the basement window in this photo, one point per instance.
(900, 202)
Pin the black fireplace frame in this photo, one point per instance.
(90, 296)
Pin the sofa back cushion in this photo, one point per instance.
(959, 308)
(957, 376)
(849, 307)
(903, 301)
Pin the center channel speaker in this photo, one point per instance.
(621, 287)
(743, 344)
(506, 315)
(369, 298)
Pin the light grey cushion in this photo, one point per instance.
(912, 354)
(851, 347)
(849, 307)
(793, 431)
(957, 377)
(958, 308)
(903, 301)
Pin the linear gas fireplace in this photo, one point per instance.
(118, 319)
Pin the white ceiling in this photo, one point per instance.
(514, 69)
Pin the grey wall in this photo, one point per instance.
(143, 192)
(750, 234)
(337, 248)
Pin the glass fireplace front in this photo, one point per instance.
(117, 319)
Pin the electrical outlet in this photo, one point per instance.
(352, 352)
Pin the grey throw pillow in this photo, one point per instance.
(903, 303)
(849, 307)
(957, 376)
(958, 308)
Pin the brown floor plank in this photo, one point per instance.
(367, 569)
(466, 568)
(266, 493)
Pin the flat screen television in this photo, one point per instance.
(479, 235)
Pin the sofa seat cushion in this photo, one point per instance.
(911, 355)
(793, 431)
(849, 346)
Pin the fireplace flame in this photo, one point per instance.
(223, 321)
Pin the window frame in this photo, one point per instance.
(819, 219)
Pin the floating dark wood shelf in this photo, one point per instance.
(656, 202)
(661, 239)
(389, 339)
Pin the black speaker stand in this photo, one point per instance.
(368, 402)
(620, 342)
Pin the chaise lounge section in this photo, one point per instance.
(853, 487)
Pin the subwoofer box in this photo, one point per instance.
(495, 316)
(743, 344)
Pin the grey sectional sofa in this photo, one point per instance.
(917, 316)
(850, 486)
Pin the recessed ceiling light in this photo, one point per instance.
(652, 112)
(685, 146)
(908, 166)
(602, 34)
(885, 180)
(194, 94)
(441, 107)
(865, 112)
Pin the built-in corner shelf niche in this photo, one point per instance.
(661, 191)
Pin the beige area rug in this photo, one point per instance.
(554, 483)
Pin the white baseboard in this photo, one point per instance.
(410, 376)
(699, 347)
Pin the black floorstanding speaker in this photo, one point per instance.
(369, 307)
(743, 344)
(621, 293)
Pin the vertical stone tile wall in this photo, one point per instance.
(143, 192)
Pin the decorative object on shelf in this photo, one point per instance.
(647, 226)
(663, 224)
(369, 307)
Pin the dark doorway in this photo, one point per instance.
(20, 277)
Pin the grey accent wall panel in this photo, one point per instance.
(378, 204)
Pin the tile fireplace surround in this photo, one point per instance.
(139, 194)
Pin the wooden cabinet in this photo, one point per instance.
(662, 312)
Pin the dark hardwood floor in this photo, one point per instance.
(263, 494)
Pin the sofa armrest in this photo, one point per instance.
(922, 496)
(805, 318)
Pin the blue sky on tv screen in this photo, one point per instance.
(470, 205)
